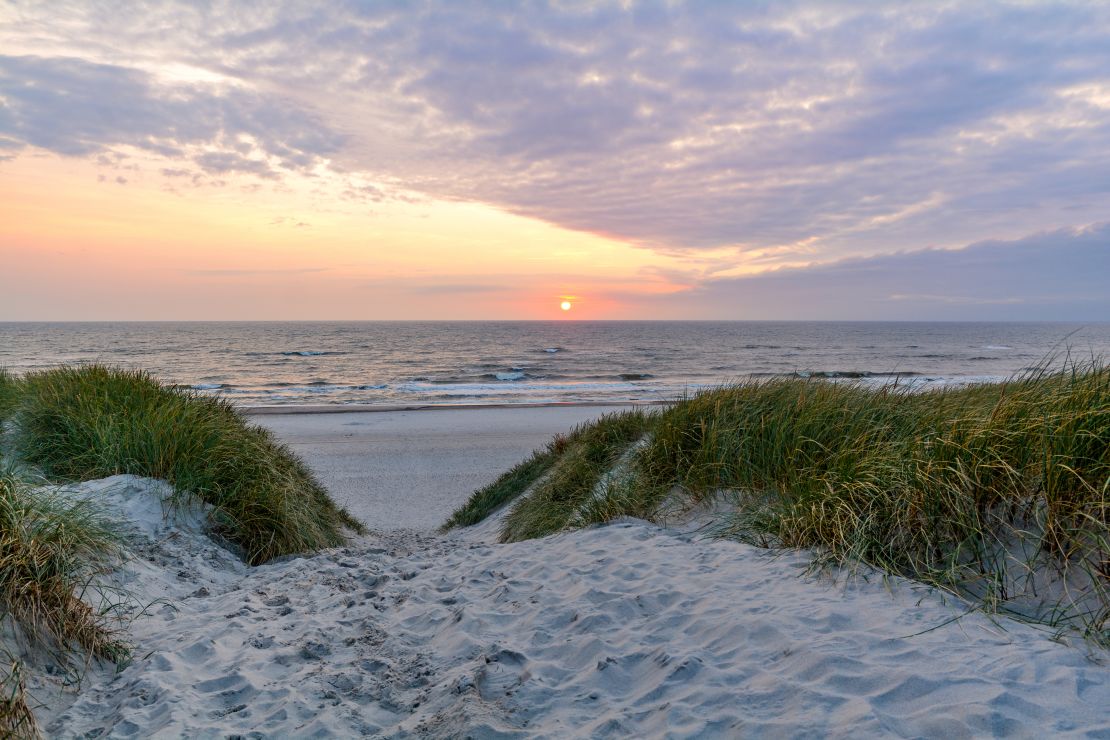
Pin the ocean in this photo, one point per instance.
(418, 363)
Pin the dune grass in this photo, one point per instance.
(485, 501)
(50, 550)
(8, 391)
(566, 474)
(576, 477)
(17, 718)
(994, 490)
(92, 421)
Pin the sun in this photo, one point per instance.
(565, 305)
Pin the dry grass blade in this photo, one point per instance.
(50, 549)
(17, 719)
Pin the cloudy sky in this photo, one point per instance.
(385, 160)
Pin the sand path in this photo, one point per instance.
(626, 630)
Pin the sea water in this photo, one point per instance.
(415, 363)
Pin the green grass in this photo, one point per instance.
(945, 486)
(8, 391)
(92, 421)
(565, 475)
(508, 486)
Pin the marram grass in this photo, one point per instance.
(508, 486)
(582, 458)
(50, 548)
(8, 390)
(92, 421)
(17, 718)
(1000, 491)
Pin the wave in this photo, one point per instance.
(847, 374)
(317, 388)
(310, 353)
(518, 373)
(207, 386)
(501, 388)
(854, 374)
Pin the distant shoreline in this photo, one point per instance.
(384, 408)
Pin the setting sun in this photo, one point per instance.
(565, 305)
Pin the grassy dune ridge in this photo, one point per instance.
(92, 421)
(566, 472)
(994, 490)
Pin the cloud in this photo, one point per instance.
(233, 272)
(222, 163)
(77, 108)
(458, 288)
(790, 130)
(1057, 275)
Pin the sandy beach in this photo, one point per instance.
(411, 469)
(581, 370)
(622, 630)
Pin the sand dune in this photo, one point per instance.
(621, 630)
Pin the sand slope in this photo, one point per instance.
(622, 630)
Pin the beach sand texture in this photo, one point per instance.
(411, 469)
(627, 629)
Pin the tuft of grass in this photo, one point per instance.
(17, 719)
(508, 486)
(997, 491)
(8, 394)
(581, 460)
(91, 421)
(50, 548)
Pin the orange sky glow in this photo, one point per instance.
(282, 161)
(139, 248)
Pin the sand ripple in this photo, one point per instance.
(618, 631)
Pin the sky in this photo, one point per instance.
(409, 160)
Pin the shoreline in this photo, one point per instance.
(352, 408)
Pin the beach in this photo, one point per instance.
(623, 630)
(566, 370)
(409, 469)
